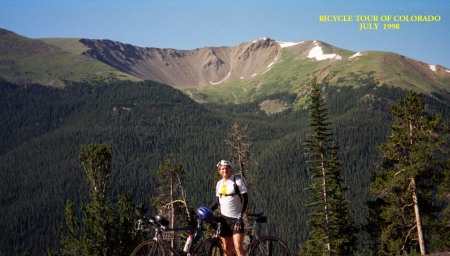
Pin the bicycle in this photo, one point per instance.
(158, 245)
(253, 243)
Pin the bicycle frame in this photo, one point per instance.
(160, 229)
(254, 218)
(261, 245)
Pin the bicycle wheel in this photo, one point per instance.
(269, 246)
(149, 248)
(209, 247)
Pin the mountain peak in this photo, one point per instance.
(248, 66)
(181, 68)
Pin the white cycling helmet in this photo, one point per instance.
(223, 162)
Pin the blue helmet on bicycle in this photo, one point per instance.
(205, 214)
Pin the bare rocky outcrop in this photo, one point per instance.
(180, 68)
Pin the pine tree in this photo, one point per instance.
(406, 185)
(442, 239)
(103, 230)
(332, 232)
(239, 144)
(171, 199)
(341, 230)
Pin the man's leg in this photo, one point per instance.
(227, 243)
(238, 240)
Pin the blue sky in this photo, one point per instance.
(190, 24)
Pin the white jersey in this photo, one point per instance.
(230, 202)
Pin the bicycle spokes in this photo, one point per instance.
(269, 246)
(149, 248)
(209, 247)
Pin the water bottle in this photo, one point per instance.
(188, 244)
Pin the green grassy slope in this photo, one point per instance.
(50, 62)
(53, 61)
(294, 69)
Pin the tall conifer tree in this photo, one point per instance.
(103, 230)
(332, 232)
(406, 206)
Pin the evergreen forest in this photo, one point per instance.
(43, 130)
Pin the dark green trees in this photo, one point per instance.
(329, 218)
(407, 211)
(101, 230)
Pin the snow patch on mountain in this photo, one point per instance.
(288, 44)
(355, 55)
(432, 67)
(270, 65)
(317, 53)
(225, 78)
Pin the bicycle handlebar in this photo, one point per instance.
(162, 225)
(158, 225)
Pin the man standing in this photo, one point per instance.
(231, 194)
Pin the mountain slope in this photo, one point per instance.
(39, 169)
(46, 128)
(237, 74)
(181, 68)
(25, 61)
(250, 66)
(298, 63)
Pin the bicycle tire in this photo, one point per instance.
(269, 246)
(149, 248)
(209, 247)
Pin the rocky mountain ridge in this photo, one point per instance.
(182, 68)
(219, 65)
(229, 73)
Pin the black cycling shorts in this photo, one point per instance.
(227, 227)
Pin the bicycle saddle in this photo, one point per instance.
(259, 217)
